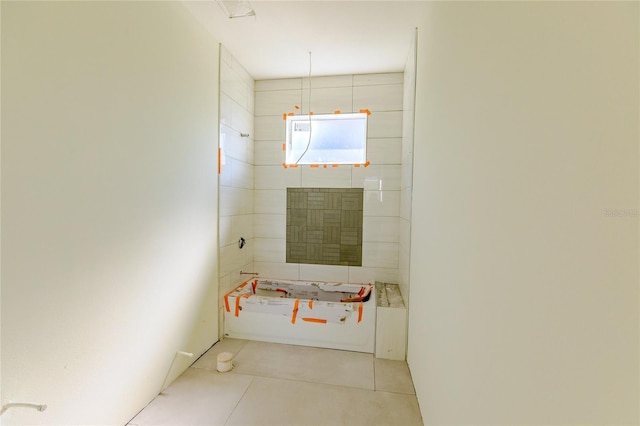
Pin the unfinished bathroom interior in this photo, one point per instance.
(149, 205)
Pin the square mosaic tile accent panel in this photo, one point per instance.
(324, 226)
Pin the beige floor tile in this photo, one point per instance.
(393, 376)
(197, 397)
(306, 364)
(271, 401)
(209, 361)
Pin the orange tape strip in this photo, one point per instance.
(284, 165)
(226, 296)
(296, 107)
(356, 165)
(310, 304)
(335, 165)
(295, 311)
(324, 166)
(246, 296)
(317, 320)
(290, 114)
(336, 111)
(366, 110)
(360, 308)
(293, 166)
(284, 116)
(315, 165)
(219, 160)
(367, 164)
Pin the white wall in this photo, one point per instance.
(236, 175)
(524, 268)
(382, 95)
(109, 204)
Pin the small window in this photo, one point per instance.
(327, 139)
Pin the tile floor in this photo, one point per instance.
(274, 384)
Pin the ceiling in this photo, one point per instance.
(344, 37)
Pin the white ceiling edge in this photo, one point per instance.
(344, 37)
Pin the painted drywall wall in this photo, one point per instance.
(109, 204)
(382, 95)
(524, 260)
(236, 175)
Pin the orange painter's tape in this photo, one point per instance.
(293, 166)
(296, 106)
(284, 116)
(226, 296)
(356, 165)
(324, 166)
(367, 164)
(284, 147)
(284, 165)
(290, 114)
(246, 296)
(295, 311)
(310, 304)
(365, 111)
(219, 160)
(360, 308)
(315, 166)
(336, 111)
(316, 320)
(335, 165)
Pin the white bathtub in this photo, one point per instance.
(320, 314)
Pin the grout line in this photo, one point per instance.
(239, 400)
(309, 382)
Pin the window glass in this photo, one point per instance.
(326, 139)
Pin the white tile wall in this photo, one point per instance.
(324, 273)
(242, 226)
(328, 81)
(375, 79)
(384, 177)
(232, 85)
(384, 150)
(277, 102)
(270, 225)
(237, 178)
(380, 229)
(276, 177)
(338, 177)
(385, 124)
(287, 271)
(270, 250)
(270, 201)
(279, 84)
(269, 153)
(380, 255)
(383, 95)
(328, 100)
(387, 97)
(226, 233)
(381, 203)
(242, 174)
(235, 201)
(370, 275)
(270, 128)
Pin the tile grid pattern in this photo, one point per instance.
(287, 385)
(324, 226)
(236, 179)
(382, 94)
